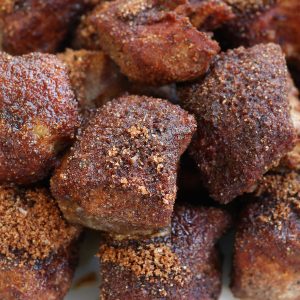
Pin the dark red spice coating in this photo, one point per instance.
(244, 122)
(149, 41)
(121, 173)
(267, 244)
(181, 265)
(37, 25)
(38, 115)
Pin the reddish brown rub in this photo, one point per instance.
(37, 25)
(149, 41)
(273, 21)
(38, 115)
(244, 122)
(181, 265)
(38, 250)
(94, 77)
(267, 245)
(121, 174)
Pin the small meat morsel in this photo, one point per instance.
(244, 122)
(121, 173)
(181, 265)
(38, 250)
(149, 40)
(94, 77)
(266, 21)
(267, 246)
(37, 25)
(38, 115)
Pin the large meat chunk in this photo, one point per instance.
(182, 265)
(149, 40)
(38, 115)
(243, 115)
(38, 248)
(267, 245)
(121, 173)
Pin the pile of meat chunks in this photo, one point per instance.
(160, 124)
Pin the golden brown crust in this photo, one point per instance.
(267, 245)
(244, 123)
(38, 249)
(121, 174)
(39, 115)
(94, 77)
(38, 25)
(149, 41)
(183, 265)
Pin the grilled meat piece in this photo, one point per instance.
(121, 173)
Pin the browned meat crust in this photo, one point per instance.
(121, 174)
(267, 245)
(94, 77)
(38, 250)
(244, 123)
(272, 21)
(37, 25)
(149, 41)
(292, 160)
(183, 265)
(38, 115)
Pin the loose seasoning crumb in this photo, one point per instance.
(284, 191)
(154, 262)
(31, 225)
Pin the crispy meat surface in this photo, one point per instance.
(292, 160)
(267, 245)
(94, 77)
(269, 21)
(121, 173)
(38, 115)
(149, 41)
(38, 250)
(182, 265)
(244, 122)
(37, 25)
